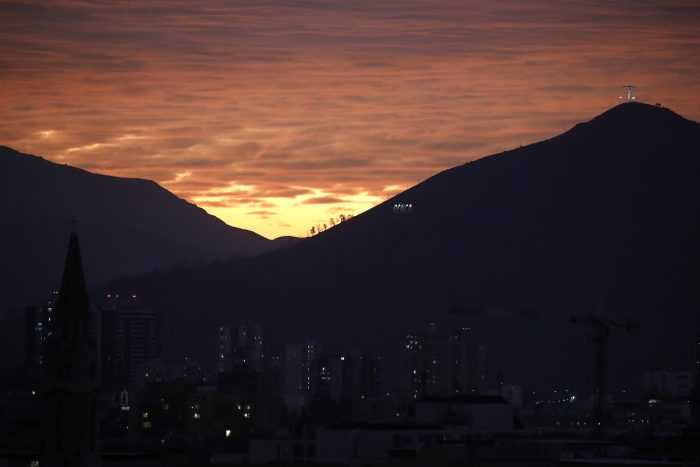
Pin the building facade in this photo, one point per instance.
(441, 364)
(300, 373)
(130, 337)
(38, 330)
(241, 344)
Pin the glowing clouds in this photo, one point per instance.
(281, 213)
(276, 115)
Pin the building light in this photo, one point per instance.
(196, 416)
(228, 433)
(145, 415)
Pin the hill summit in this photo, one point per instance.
(602, 219)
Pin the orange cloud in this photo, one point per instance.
(237, 105)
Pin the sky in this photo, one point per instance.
(279, 115)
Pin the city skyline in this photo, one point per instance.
(331, 232)
(276, 117)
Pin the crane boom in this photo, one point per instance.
(600, 332)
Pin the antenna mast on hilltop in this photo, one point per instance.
(630, 97)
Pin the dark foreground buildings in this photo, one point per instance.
(311, 407)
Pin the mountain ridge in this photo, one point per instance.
(600, 219)
(131, 226)
(603, 213)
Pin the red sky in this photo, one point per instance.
(277, 115)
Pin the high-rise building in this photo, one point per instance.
(38, 330)
(438, 363)
(466, 372)
(300, 369)
(360, 377)
(667, 383)
(327, 375)
(241, 344)
(130, 337)
(71, 390)
(347, 377)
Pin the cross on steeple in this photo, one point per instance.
(73, 223)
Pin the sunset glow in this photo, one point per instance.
(276, 116)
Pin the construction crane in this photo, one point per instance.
(600, 332)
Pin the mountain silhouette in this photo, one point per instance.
(128, 226)
(603, 219)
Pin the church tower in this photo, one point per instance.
(71, 389)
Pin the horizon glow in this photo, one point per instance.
(276, 116)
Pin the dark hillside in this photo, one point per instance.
(604, 219)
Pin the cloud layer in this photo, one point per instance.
(277, 115)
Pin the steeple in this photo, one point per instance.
(71, 436)
(73, 296)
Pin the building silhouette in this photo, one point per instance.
(37, 331)
(71, 388)
(359, 377)
(667, 383)
(440, 364)
(130, 337)
(241, 344)
(300, 373)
